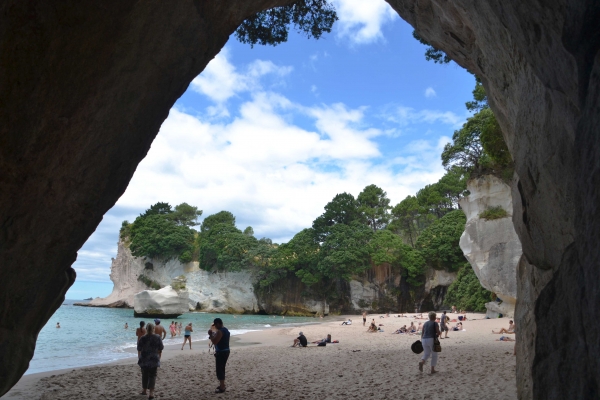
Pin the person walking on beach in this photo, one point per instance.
(149, 349)
(431, 330)
(443, 325)
(187, 336)
(159, 329)
(219, 336)
(364, 318)
(141, 331)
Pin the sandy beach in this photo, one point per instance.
(262, 365)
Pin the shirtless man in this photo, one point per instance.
(364, 318)
(159, 329)
(141, 331)
(511, 328)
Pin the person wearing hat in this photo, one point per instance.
(159, 330)
(300, 341)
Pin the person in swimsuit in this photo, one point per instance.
(159, 329)
(219, 336)
(443, 325)
(187, 336)
(58, 324)
(364, 318)
(172, 329)
(141, 331)
(511, 328)
(178, 328)
(126, 326)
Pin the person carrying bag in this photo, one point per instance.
(430, 342)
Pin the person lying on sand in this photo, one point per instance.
(457, 327)
(505, 339)
(401, 330)
(511, 328)
(349, 322)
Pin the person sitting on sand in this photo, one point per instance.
(349, 322)
(372, 327)
(412, 328)
(419, 328)
(457, 327)
(401, 330)
(511, 328)
(454, 309)
(505, 339)
(300, 341)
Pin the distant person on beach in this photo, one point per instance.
(511, 328)
(126, 326)
(187, 335)
(364, 318)
(444, 325)
(159, 329)
(349, 322)
(141, 331)
(300, 341)
(173, 329)
(149, 348)
(454, 309)
(58, 324)
(372, 327)
(179, 328)
(505, 339)
(219, 336)
(431, 330)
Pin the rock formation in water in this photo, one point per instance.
(492, 245)
(162, 303)
(84, 88)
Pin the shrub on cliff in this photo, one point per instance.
(494, 213)
(466, 292)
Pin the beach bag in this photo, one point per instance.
(437, 347)
(417, 347)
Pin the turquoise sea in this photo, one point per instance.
(90, 335)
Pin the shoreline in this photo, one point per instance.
(472, 364)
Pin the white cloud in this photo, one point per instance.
(220, 80)
(361, 20)
(407, 115)
(429, 92)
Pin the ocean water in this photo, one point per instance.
(90, 335)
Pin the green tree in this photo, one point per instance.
(249, 231)
(432, 53)
(158, 208)
(222, 217)
(186, 215)
(438, 244)
(466, 292)
(493, 143)
(343, 209)
(345, 251)
(479, 98)
(271, 27)
(465, 151)
(374, 205)
(157, 236)
(225, 248)
(388, 248)
(405, 218)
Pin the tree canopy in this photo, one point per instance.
(271, 27)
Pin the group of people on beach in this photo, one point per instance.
(150, 346)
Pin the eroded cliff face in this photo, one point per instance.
(492, 246)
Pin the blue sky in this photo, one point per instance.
(274, 133)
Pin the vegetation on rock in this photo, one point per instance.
(493, 213)
(466, 292)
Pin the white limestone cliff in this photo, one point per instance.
(492, 246)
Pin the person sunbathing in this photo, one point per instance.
(419, 328)
(511, 328)
(372, 327)
(349, 322)
(458, 327)
(412, 328)
(505, 339)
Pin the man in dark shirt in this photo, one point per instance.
(300, 341)
(219, 336)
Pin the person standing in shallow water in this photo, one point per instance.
(219, 336)
(149, 349)
(159, 330)
(141, 331)
(430, 331)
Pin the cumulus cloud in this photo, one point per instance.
(361, 20)
(429, 92)
(220, 80)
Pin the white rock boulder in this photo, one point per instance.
(492, 246)
(165, 302)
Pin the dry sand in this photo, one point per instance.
(472, 365)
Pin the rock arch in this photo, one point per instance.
(84, 88)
